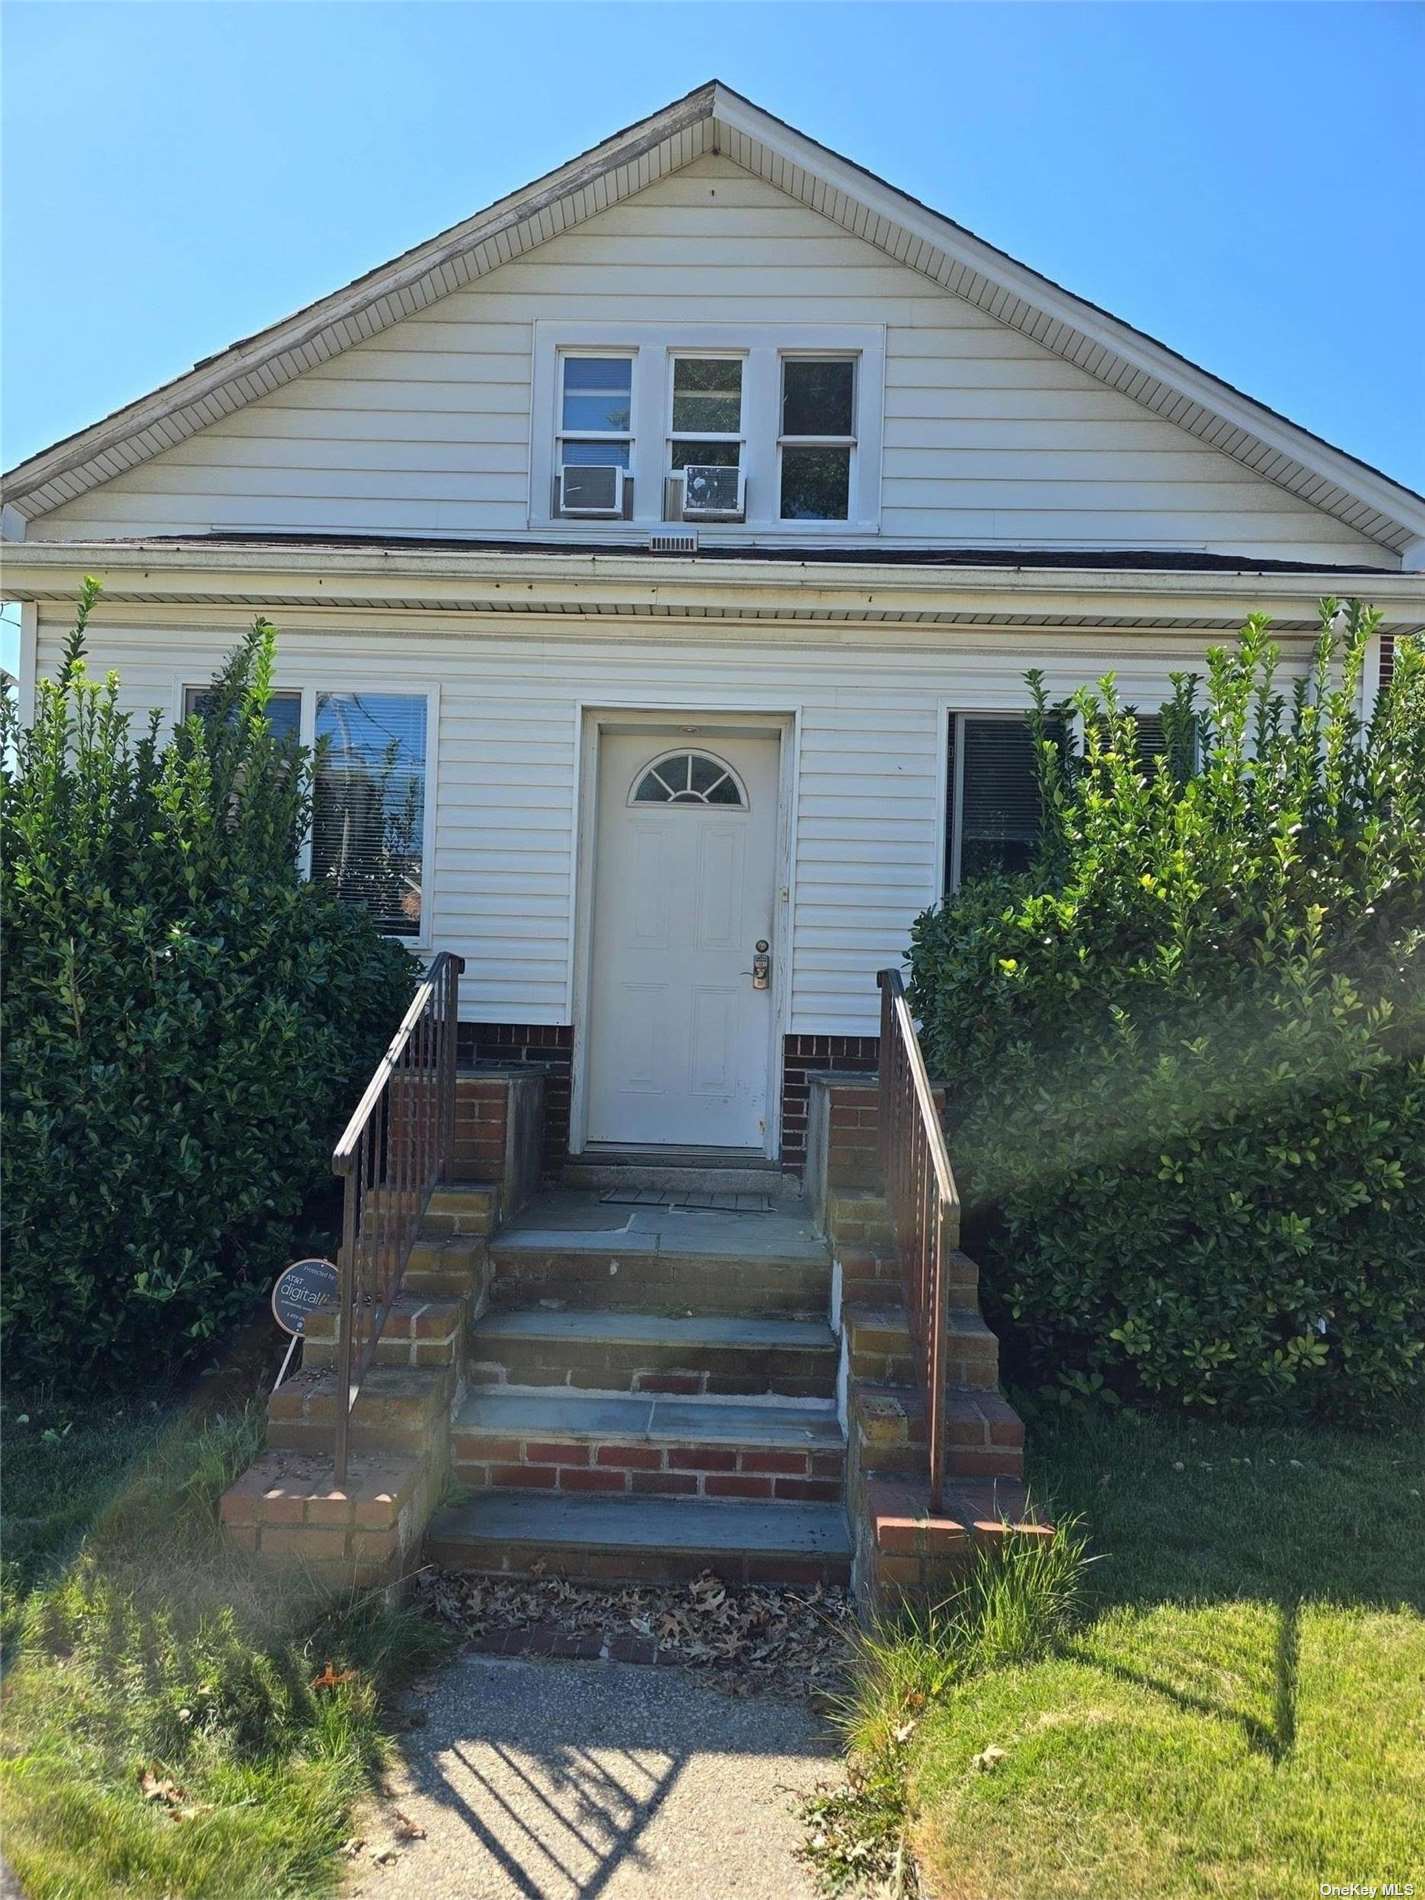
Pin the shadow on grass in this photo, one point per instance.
(1198, 1512)
(1274, 1739)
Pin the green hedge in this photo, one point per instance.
(186, 1022)
(1186, 1055)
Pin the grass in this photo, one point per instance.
(1239, 1709)
(171, 1725)
(1015, 1603)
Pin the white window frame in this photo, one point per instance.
(309, 688)
(819, 441)
(761, 347)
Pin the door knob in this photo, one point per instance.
(761, 966)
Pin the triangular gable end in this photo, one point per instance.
(713, 119)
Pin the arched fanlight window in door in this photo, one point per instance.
(688, 778)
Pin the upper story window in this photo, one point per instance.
(707, 411)
(596, 410)
(818, 437)
(770, 429)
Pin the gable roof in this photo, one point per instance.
(713, 118)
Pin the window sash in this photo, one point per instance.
(1018, 819)
(831, 441)
(572, 432)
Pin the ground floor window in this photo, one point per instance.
(370, 804)
(992, 796)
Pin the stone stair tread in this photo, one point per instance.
(676, 1233)
(556, 1415)
(644, 1524)
(594, 1327)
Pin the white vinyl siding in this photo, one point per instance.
(868, 809)
(989, 439)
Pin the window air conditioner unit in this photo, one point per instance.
(712, 493)
(593, 490)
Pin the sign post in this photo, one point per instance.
(304, 1288)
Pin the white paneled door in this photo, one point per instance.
(679, 1038)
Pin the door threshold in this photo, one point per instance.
(611, 1154)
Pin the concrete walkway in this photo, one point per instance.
(563, 1781)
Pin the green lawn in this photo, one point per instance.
(1242, 1710)
(170, 1725)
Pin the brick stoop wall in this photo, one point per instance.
(543, 1048)
(366, 1534)
(901, 1549)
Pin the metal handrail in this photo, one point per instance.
(395, 1149)
(924, 1206)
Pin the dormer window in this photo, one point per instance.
(739, 429)
(707, 411)
(818, 437)
(596, 411)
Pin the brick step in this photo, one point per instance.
(985, 1436)
(445, 1264)
(642, 1539)
(859, 1217)
(421, 1330)
(669, 1447)
(880, 1350)
(397, 1409)
(910, 1551)
(462, 1208)
(654, 1352)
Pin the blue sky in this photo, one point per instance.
(1245, 182)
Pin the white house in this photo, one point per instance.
(673, 537)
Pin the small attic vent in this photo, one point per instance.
(674, 541)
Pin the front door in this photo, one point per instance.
(679, 1039)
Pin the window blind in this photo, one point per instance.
(993, 818)
(368, 805)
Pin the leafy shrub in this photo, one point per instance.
(185, 1020)
(1186, 1055)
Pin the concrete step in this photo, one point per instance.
(582, 1251)
(420, 1330)
(644, 1172)
(654, 1352)
(642, 1538)
(789, 1285)
(670, 1447)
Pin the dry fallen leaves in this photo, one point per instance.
(156, 1787)
(747, 1639)
(989, 1758)
(332, 1678)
